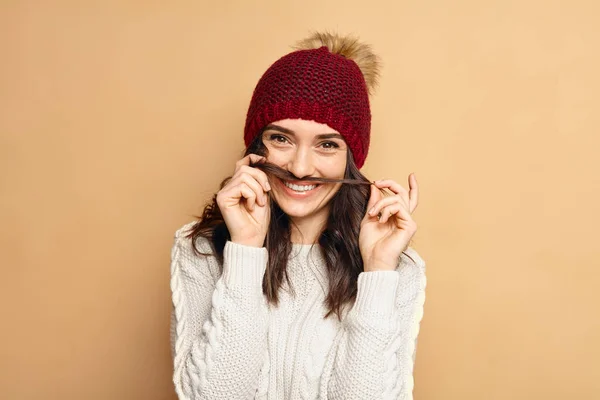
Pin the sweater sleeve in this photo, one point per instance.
(219, 322)
(376, 347)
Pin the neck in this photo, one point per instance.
(308, 229)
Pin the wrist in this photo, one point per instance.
(244, 266)
(251, 242)
(373, 265)
(376, 294)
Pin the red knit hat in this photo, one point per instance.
(315, 85)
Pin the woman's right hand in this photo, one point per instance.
(244, 203)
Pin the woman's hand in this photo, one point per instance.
(388, 226)
(244, 203)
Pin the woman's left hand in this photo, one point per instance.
(388, 226)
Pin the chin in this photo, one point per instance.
(297, 210)
(303, 204)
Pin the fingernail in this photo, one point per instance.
(268, 186)
(372, 210)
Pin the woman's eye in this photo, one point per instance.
(330, 145)
(278, 138)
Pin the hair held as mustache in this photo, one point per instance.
(272, 170)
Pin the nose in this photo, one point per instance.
(300, 164)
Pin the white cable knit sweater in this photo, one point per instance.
(228, 343)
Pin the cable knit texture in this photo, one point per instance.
(228, 343)
(314, 85)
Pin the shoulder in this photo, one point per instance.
(182, 238)
(197, 262)
(185, 229)
(410, 257)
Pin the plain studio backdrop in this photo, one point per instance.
(120, 118)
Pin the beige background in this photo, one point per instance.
(120, 118)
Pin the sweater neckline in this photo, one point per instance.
(305, 245)
(314, 257)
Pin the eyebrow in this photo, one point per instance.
(281, 129)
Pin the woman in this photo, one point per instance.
(298, 281)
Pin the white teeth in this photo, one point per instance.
(300, 188)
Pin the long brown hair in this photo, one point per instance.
(338, 240)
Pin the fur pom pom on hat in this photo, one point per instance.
(328, 80)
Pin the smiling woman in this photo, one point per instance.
(299, 147)
(298, 281)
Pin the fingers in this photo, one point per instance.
(394, 207)
(411, 198)
(394, 187)
(248, 183)
(250, 158)
(388, 201)
(399, 215)
(255, 173)
(245, 178)
(413, 194)
(246, 192)
(243, 165)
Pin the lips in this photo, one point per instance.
(300, 187)
(309, 189)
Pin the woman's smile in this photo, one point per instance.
(299, 190)
(305, 149)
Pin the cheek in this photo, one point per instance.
(335, 168)
(276, 157)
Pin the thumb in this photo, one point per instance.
(375, 197)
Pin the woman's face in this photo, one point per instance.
(306, 149)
